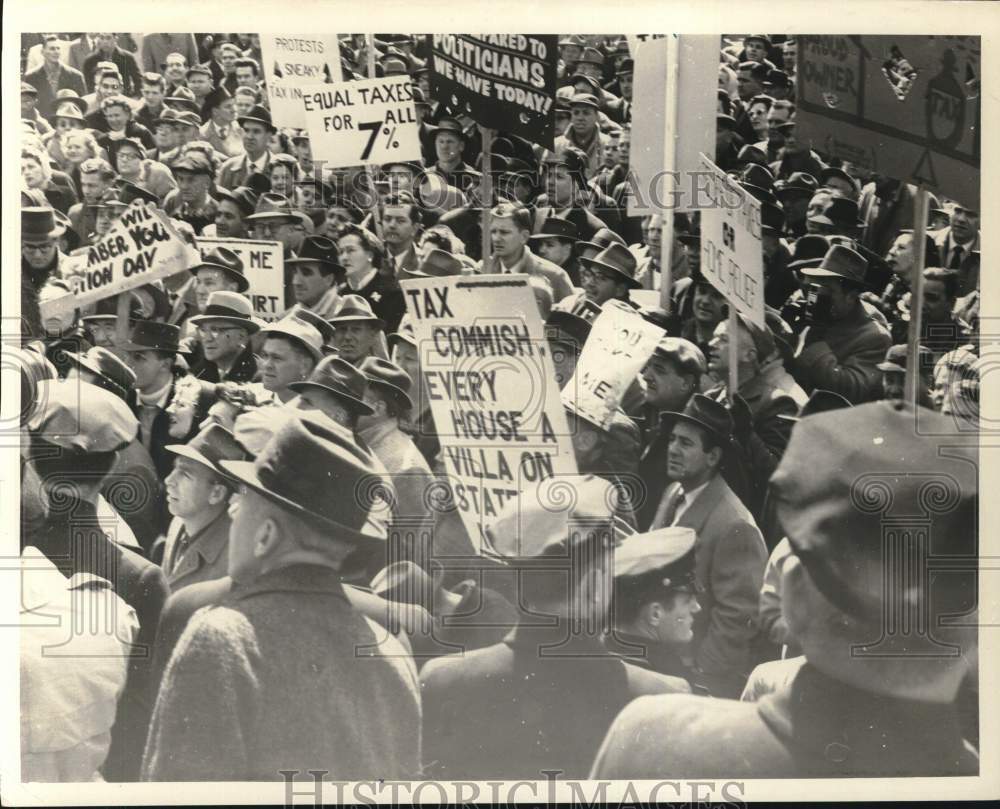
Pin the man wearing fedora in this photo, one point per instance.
(257, 130)
(609, 276)
(224, 329)
(450, 143)
(840, 348)
(315, 277)
(232, 209)
(357, 330)
(198, 491)
(858, 706)
(337, 389)
(550, 689)
(284, 672)
(555, 242)
(730, 552)
(291, 350)
(510, 230)
(40, 254)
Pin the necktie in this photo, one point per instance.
(147, 415)
(667, 511)
(956, 258)
(679, 501)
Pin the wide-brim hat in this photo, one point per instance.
(317, 250)
(601, 239)
(40, 223)
(617, 259)
(840, 261)
(212, 445)
(324, 328)
(337, 376)
(556, 228)
(355, 309)
(436, 264)
(390, 378)
(330, 453)
(403, 334)
(150, 335)
(103, 363)
(303, 334)
(227, 262)
(260, 115)
(706, 413)
(228, 307)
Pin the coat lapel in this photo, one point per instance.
(699, 511)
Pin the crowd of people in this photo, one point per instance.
(262, 507)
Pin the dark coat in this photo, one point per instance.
(506, 712)
(816, 727)
(243, 370)
(277, 677)
(968, 273)
(126, 64)
(69, 79)
(76, 542)
(385, 297)
(163, 461)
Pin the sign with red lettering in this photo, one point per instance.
(901, 106)
(490, 383)
(264, 267)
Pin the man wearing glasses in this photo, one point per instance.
(224, 330)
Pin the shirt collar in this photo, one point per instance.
(518, 265)
(360, 283)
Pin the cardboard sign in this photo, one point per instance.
(369, 122)
(651, 189)
(140, 247)
(732, 258)
(503, 81)
(490, 383)
(620, 343)
(902, 106)
(264, 267)
(291, 62)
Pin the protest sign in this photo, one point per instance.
(369, 122)
(619, 344)
(292, 61)
(264, 267)
(906, 107)
(505, 82)
(657, 180)
(490, 384)
(140, 247)
(732, 258)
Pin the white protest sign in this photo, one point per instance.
(732, 258)
(620, 343)
(357, 123)
(491, 386)
(140, 247)
(264, 267)
(292, 61)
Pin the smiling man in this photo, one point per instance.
(290, 352)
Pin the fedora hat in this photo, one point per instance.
(322, 326)
(601, 239)
(390, 378)
(819, 401)
(752, 155)
(808, 251)
(355, 309)
(798, 184)
(302, 333)
(149, 335)
(274, 206)
(242, 197)
(259, 115)
(404, 333)
(758, 175)
(330, 453)
(226, 261)
(40, 223)
(68, 96)
(436, 264)
(114, 374)
(340, 378)
(555, 228)
(448, 125)
(567, 328)
(839, 212)
(129, 192)
(840, 261)
(617, 259)
(834, 171)
(213, 444)
(317, 250)
(708, 414)
(229, 307)
(760, 193)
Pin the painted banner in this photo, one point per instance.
(264, 267)
(620, 343)
(503, 81)
(906, 107)
(140, 247)
(732, 257)
(292, 61)
(650, 189)
(490, 383)
(368, 122)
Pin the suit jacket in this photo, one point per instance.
(534, 265)
(233, 173)
(385, 297)
(410, 263)
(844, 359)
(508, 712)
(163, 461)
(127, 66)
(79, 50)
(231, 146)
(968, 273)
(285, 674)
(243, 370)
(816, 727)
(203, 559)
(730, 557)
(69, 79)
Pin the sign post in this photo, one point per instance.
(912, 378)
(486, 191)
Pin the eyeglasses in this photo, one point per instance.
(215, 331)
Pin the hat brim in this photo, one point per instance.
(254, 120)
(315, 351)
(84, 362)
(600, 265)
(396, 337)
(187, 452)
(241, 279)
(335, 268)
(363, 318)
(242, 322)
(358, 405)
(130, 346)
(673, 416)
(396, 392)
(244, 472)
(260, 217)
(560, 236)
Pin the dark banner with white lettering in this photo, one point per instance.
(503, 81)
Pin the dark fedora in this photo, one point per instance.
(227, 262)
(318, 250)
(820, 401)
(708, 414)
(840, 261)
(242, 197)
(149, 335)
(389, 378)
(274, 206)
(616, 259)
(212, 445)
(567, 329)
(772, 217)
(355, 309)
(436, 264)
(129, 192)
(40, 223)
(323, 327)
(808, 251)
(555, 228)
(798, 184)
(258, 115)
(231, 308)
(340, 378)
(760, 193)
(601, 239)
(752, 155)
(404, 334)
(114, 375)
(330, 454)
(758, 175)
(839, 212)
(452, 125)
(834, 171)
